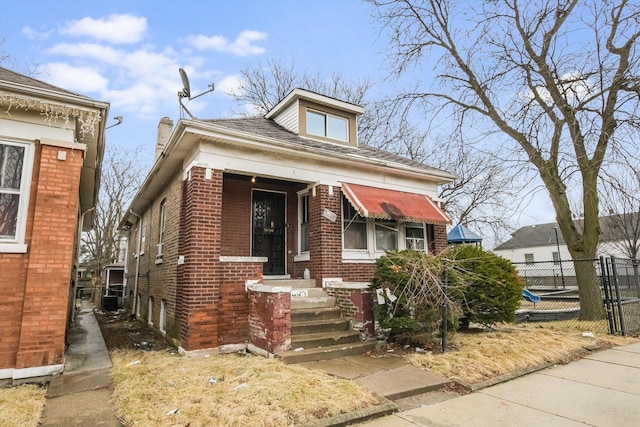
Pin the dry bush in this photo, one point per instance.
(21, 406)
(227, 390)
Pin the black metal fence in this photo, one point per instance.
(551, 293)
(621, 284)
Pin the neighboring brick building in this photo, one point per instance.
(51, 145)
(232, 204)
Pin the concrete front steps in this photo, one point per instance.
(318, 331)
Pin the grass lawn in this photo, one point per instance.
(480, 356)
(21, 406)
(165, 389)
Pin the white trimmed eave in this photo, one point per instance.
(188, 134)
(215, 133)
(317, 98)
(92, 164)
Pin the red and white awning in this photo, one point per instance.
(380, 203)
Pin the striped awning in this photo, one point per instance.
(380, 203)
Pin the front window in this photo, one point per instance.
(354, 227)
(414, 237)
(304, 223)
(327, 125)
(386, 235)
(14, 189)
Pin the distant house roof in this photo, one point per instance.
(612, 228)
(270, 129)
(461, 234)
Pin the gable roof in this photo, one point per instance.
(317, 98)
(270, 129)
(611, 229)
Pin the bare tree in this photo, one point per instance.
(263, 86)
(620, 197)
(123, 170)
(558, 78)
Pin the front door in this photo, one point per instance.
(268, 230)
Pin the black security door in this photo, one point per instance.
(268, 219)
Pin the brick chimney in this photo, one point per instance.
(164, 132)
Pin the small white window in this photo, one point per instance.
(528, 258)
(556, 258)
(414, 236)
(15, 176)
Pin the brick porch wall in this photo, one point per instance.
(234, 300)
(270, 319)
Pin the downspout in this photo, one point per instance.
(135, 280)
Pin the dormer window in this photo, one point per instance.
(327, 125)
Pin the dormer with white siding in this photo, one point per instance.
(311, 115)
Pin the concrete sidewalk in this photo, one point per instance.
(602, 389)
(81, 395)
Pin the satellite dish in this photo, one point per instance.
(186, 91)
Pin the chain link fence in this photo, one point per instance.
(551, 294)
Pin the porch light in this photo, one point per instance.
(253, 179)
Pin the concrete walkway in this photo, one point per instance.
(81, 395)
(603, 389)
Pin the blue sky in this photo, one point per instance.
(128, 52)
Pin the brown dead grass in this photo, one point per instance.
(21, 406)
(481, 356)
(227, 390)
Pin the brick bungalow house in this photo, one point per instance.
(51, 145)
(253, 232)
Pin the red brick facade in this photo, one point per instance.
(36, 285)
(207, 261)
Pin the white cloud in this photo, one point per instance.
(119, 29)
(77, 79)
(34, 34)
(241, 46)
(229, 84)
(91, 51)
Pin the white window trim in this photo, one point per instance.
(371, 253)
(326, 124)
(302, 255)
(150, 311)
(17, 244)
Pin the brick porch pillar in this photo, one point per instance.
(325, 236)
(198, 287)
